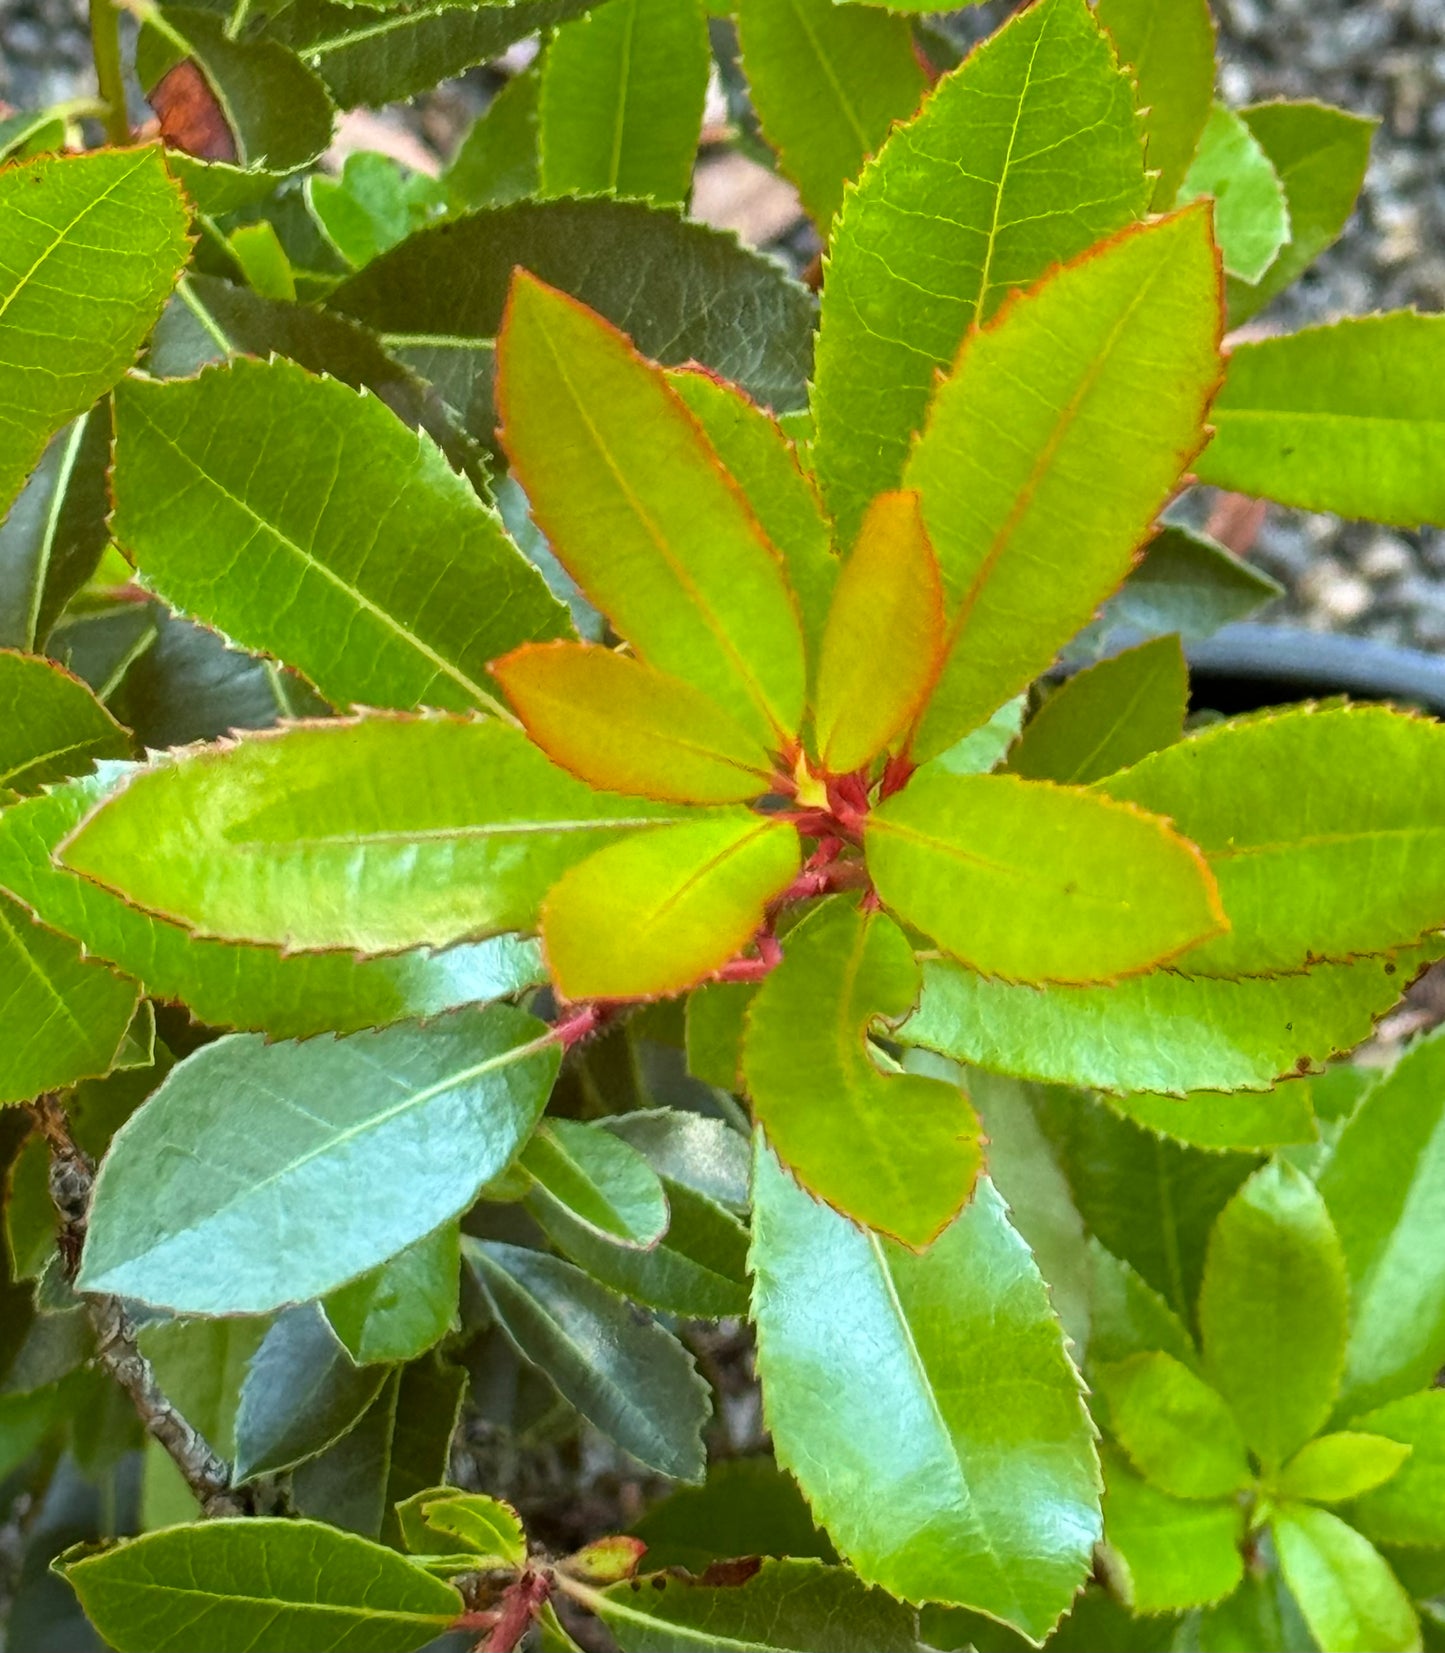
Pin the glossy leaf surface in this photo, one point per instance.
(1224, 1035)
(977, 1483)
(1108, 717)
(682, 292)
(1383, 1189)
(1272, 1311)
(85, 266)
(1356, 830)
(629, 1378)
(400, 586)
(1348, 1595)
(895, 1152)
(51, 725)
(1031, 524)
(827, 82)
(399, 1309)
(440, 853)
(1169, 47)
(618, 724)
(924, 248)
(246, 1585)
(276, 1220)
(661, 910)
(790, 1606)
(880, 652)
(1036, 883)
(235, 984)
(1345, 418)
(641, 514)
(599, 1180)
(621, 101)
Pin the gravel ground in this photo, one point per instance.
(1382, 57)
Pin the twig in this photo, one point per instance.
(72, 1178)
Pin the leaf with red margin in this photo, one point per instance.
(618, 724)
(638, 509)
(897, 1152)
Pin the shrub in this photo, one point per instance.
(545, 815)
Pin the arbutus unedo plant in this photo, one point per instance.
(606, 878)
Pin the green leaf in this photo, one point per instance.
(896, 1152)
(881, 650)
(212, 320)
(1272, 1311)
(1251, 212)
(68, 1016)
(620, 725)
(1344, 861)
(621, 101)
(439, 853)
(1383, 1187)
(1129, 1317)
(398, 589)
(1403, 1502)
(399, 1309)
(1332, 1469)
(402, 1441)
(1348, 1595)
(1169, 47)
(827, 83)
(1035, 882)
(55, 531)
(470, 1521)
(85, 267)
(275, 110)
(629, 1378)
(716, 1018)
(374, 205)
(1345, 418)
(924, 248)
(497, 162)
(1141, 316)
(1244, 1123)
(759, 456)
(257, 1585)
(661, 910)
(1320, 155)
(597, 1179)
(376, 57)
(236, 985)
(1177, 1430)
(51, 726)
(1107, 717)
(953, 1460)
(274, 1218)
(1185, 583)
(682, 292)
(1148, 1201)
(784, 1606)
(747, 1505)
(1165, 1553)
(705, 1155)
(301, 1392)
(200, 1366)
(1223, 1035)
(641, 514)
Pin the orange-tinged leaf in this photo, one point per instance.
(622, 726)
(658, 912)
(881, 650)
(640, 511)
(897, 1152)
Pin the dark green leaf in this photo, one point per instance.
(925, 247)
(926, 1404)
(258, 1586)
(681, 291)
(746, 1506)
(496, 162)
(274, 1217)
(626, 1376)
(1169, 47)
(1272, 1311)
